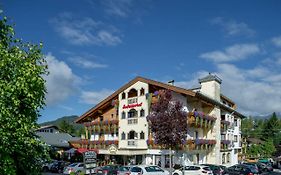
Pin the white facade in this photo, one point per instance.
(133, 130)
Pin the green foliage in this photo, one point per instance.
(66, 127)
(22, 93)
(265, 149)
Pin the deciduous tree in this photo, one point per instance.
(22, 91)
(168, 121)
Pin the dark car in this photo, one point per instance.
(240, 169)
(58, 166)
(217, 169)
(108, 170)
(265, 167)
(254, 166)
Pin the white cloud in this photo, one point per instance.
(61, 81)
(256, 91)
(120, 8)
(233, 28)
(85, 31)
(232, 53)
(94, 97)
(86, 63)
(276, 41)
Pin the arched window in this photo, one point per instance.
(132, 93)
(132, 113)
(132, 135)
(123, 95)
(142, 113)
(142, 91)
(123, 136)
(142, 135)
(123, 115)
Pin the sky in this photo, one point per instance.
(93, 47)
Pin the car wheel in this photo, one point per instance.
(175, 174)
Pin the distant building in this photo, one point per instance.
(118, 129)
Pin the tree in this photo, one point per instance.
(22, 93)
(167, 121)
(271, 129)
(66, 127)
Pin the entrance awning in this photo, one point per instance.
(82, 150)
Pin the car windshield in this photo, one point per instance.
(72, 165)
(124, 168)
(136, 169)
(153, 169)
(206, 168)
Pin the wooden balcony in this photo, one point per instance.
(200, 120)
(191, 144)
(96, 144)
(107, 126)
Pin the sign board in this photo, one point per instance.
(90, 160)
(112, 149)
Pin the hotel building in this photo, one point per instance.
(118, 129)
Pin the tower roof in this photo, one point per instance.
(210, 77)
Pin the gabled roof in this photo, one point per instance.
(141, 79)
(56, 139)
(187, 92)
(48, 126)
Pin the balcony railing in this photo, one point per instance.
(201, 120)
(107, 126)
(132, 143)
(225, 144)
(133, 100)
(225, 125)
(97, 144)
(132, 121)
(191, 144)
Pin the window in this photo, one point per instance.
(235, 122)
(123, 136)
(142, 91)
(112, 115)
(196, 134)
(132, 113)
(51, 130)
(123, 115)
(132, 135)
(142, 113)
(142, 135)
(132, 93)
(101, 118)
(123, 95)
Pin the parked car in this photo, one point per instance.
(254, 166)
(47, 165)
(74, 167)
(194, 170)
(216, 169)
(107, 170)
(240, 169)
(148, 170)
(124, 170)
(265, 167)
(58, 166)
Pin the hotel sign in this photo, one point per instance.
(132, 105)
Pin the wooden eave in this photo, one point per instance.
(107, 101)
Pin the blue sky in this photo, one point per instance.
(94, 47)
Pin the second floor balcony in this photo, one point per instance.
(107, 126)
(96, 144)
